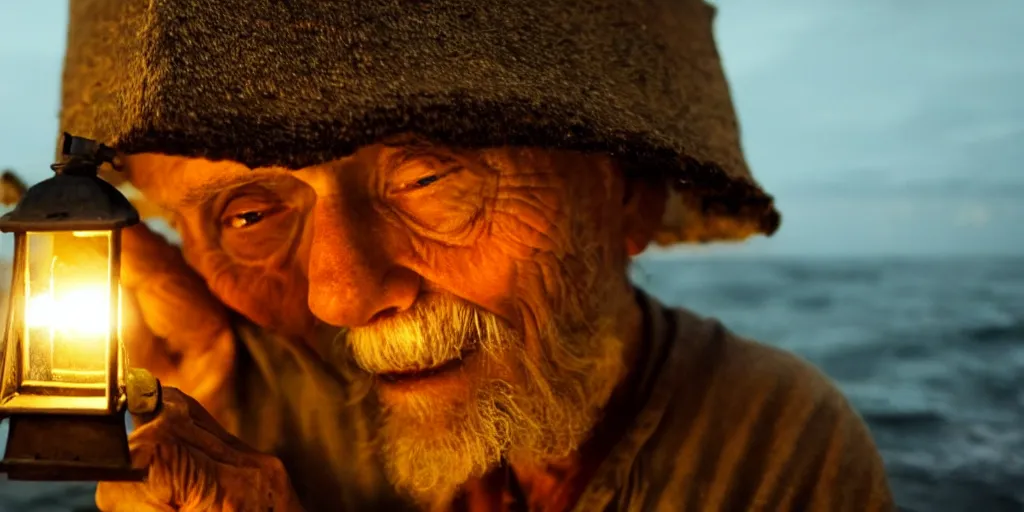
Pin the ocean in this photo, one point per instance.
(929, 351)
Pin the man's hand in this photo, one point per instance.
(195, 465)
(174, 327)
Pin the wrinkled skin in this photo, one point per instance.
(509, 264)
(196, 466)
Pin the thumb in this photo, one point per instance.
(144, 395)
(149, 402)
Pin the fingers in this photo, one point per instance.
(145, 350)
(182, 478)
(185, 417)
(195, 464)
(173, 300)
(177, 478)
(119, 497)
(146, 253)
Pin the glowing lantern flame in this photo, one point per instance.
(82, 312)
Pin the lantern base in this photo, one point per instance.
(69, 448)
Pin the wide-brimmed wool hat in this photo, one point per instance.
(299, 82)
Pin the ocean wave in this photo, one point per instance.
(903, 419)
(1009, 333)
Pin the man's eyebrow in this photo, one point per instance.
(210, 187)
(392, 160)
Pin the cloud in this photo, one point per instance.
(927, 90)
(1008, 130)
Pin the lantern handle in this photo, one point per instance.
(83, 156)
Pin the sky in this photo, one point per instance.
(883, 127)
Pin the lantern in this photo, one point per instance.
(64, 366)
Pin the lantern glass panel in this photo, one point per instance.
(69, 348)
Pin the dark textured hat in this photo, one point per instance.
(298, 82)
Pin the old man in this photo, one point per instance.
(415, 219)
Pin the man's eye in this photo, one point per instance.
(425, 181)
(244, 219)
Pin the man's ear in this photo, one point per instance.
(643, 209)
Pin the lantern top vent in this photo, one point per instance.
(76, 198)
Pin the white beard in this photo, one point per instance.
(434, 444)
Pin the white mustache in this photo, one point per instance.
(436, 331)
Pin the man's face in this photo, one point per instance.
(483, 289)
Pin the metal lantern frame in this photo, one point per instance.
(64, 433)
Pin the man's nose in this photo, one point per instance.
(353, 281)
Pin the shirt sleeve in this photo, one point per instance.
(756, 428)
(840, 468)
(822, 456)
